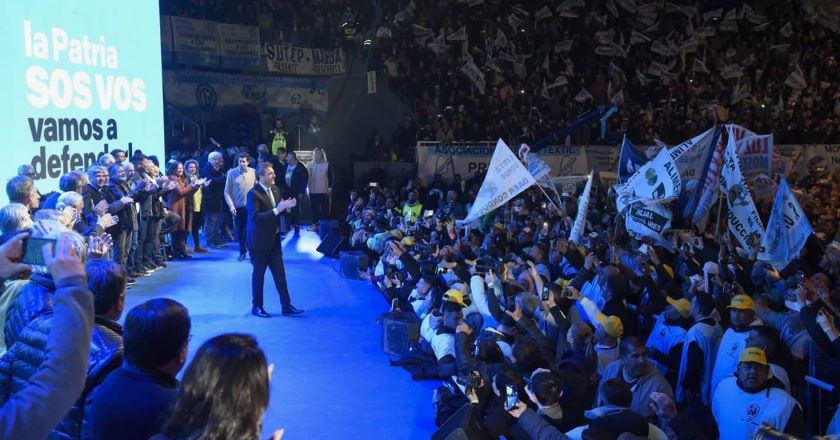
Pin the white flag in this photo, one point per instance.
(506, 178)
(563, 46)
(690, 156)
(583, 96)
(657, 181)
(583, 206)
(787, 30)
(796, 81)
(611, 8)
(475, 75)
(699, 66)
(501, 39)
(787, 230)
(559, 81)
(459, 35)
(543, 13)
(732, 71)
(638, 37)
(648, 221)
(743, 219)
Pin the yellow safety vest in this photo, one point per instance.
(278, 142)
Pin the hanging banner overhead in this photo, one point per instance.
(291, 60)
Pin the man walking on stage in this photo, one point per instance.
(263, 235)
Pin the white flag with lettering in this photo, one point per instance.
(657, 181)
(583, 206)
(743, 219)
(787, 230)
(506, 178)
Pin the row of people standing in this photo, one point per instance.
(226, 191)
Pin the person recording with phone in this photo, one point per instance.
(58, 382)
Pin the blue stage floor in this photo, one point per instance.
(331, 378)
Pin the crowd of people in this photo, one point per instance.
(673, 69)
(119, 220)
(546, 338)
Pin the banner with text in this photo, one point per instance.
(80, 78)
(291, 60)
(468, 158)
(208, 90)
(240, 46)
(196, 42)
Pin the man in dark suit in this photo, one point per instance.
(294, 179)
(264, 205)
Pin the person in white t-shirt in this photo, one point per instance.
(734, 340)
(745, 402)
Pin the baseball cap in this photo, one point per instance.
(611, 324)
(742, 302)
(408, 241)
(454, 296)
(680, 305)
(753, 354)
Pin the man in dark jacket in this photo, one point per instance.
(120, 188)
(213, 198)
(135, 400)
(294, 178)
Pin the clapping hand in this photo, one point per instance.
(101, 208)
(99, 246)
(287, 204)
(107, 220)
(126, 200)
(69, 216)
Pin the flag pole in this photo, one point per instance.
(720, 209)
(549, 198)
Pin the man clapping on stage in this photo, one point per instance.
(263, 238)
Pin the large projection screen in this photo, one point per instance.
(79, 78)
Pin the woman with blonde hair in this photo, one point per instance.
(191, 170)
(320, 186)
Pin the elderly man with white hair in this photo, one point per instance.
(213, 197)
(14, 218)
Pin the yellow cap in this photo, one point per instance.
(611, 324)
(408, 241)
(454, 296)
(396, 233)
(742, 302)
(680, 305)
(753, 354)
(499, 226)
(470, 262)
